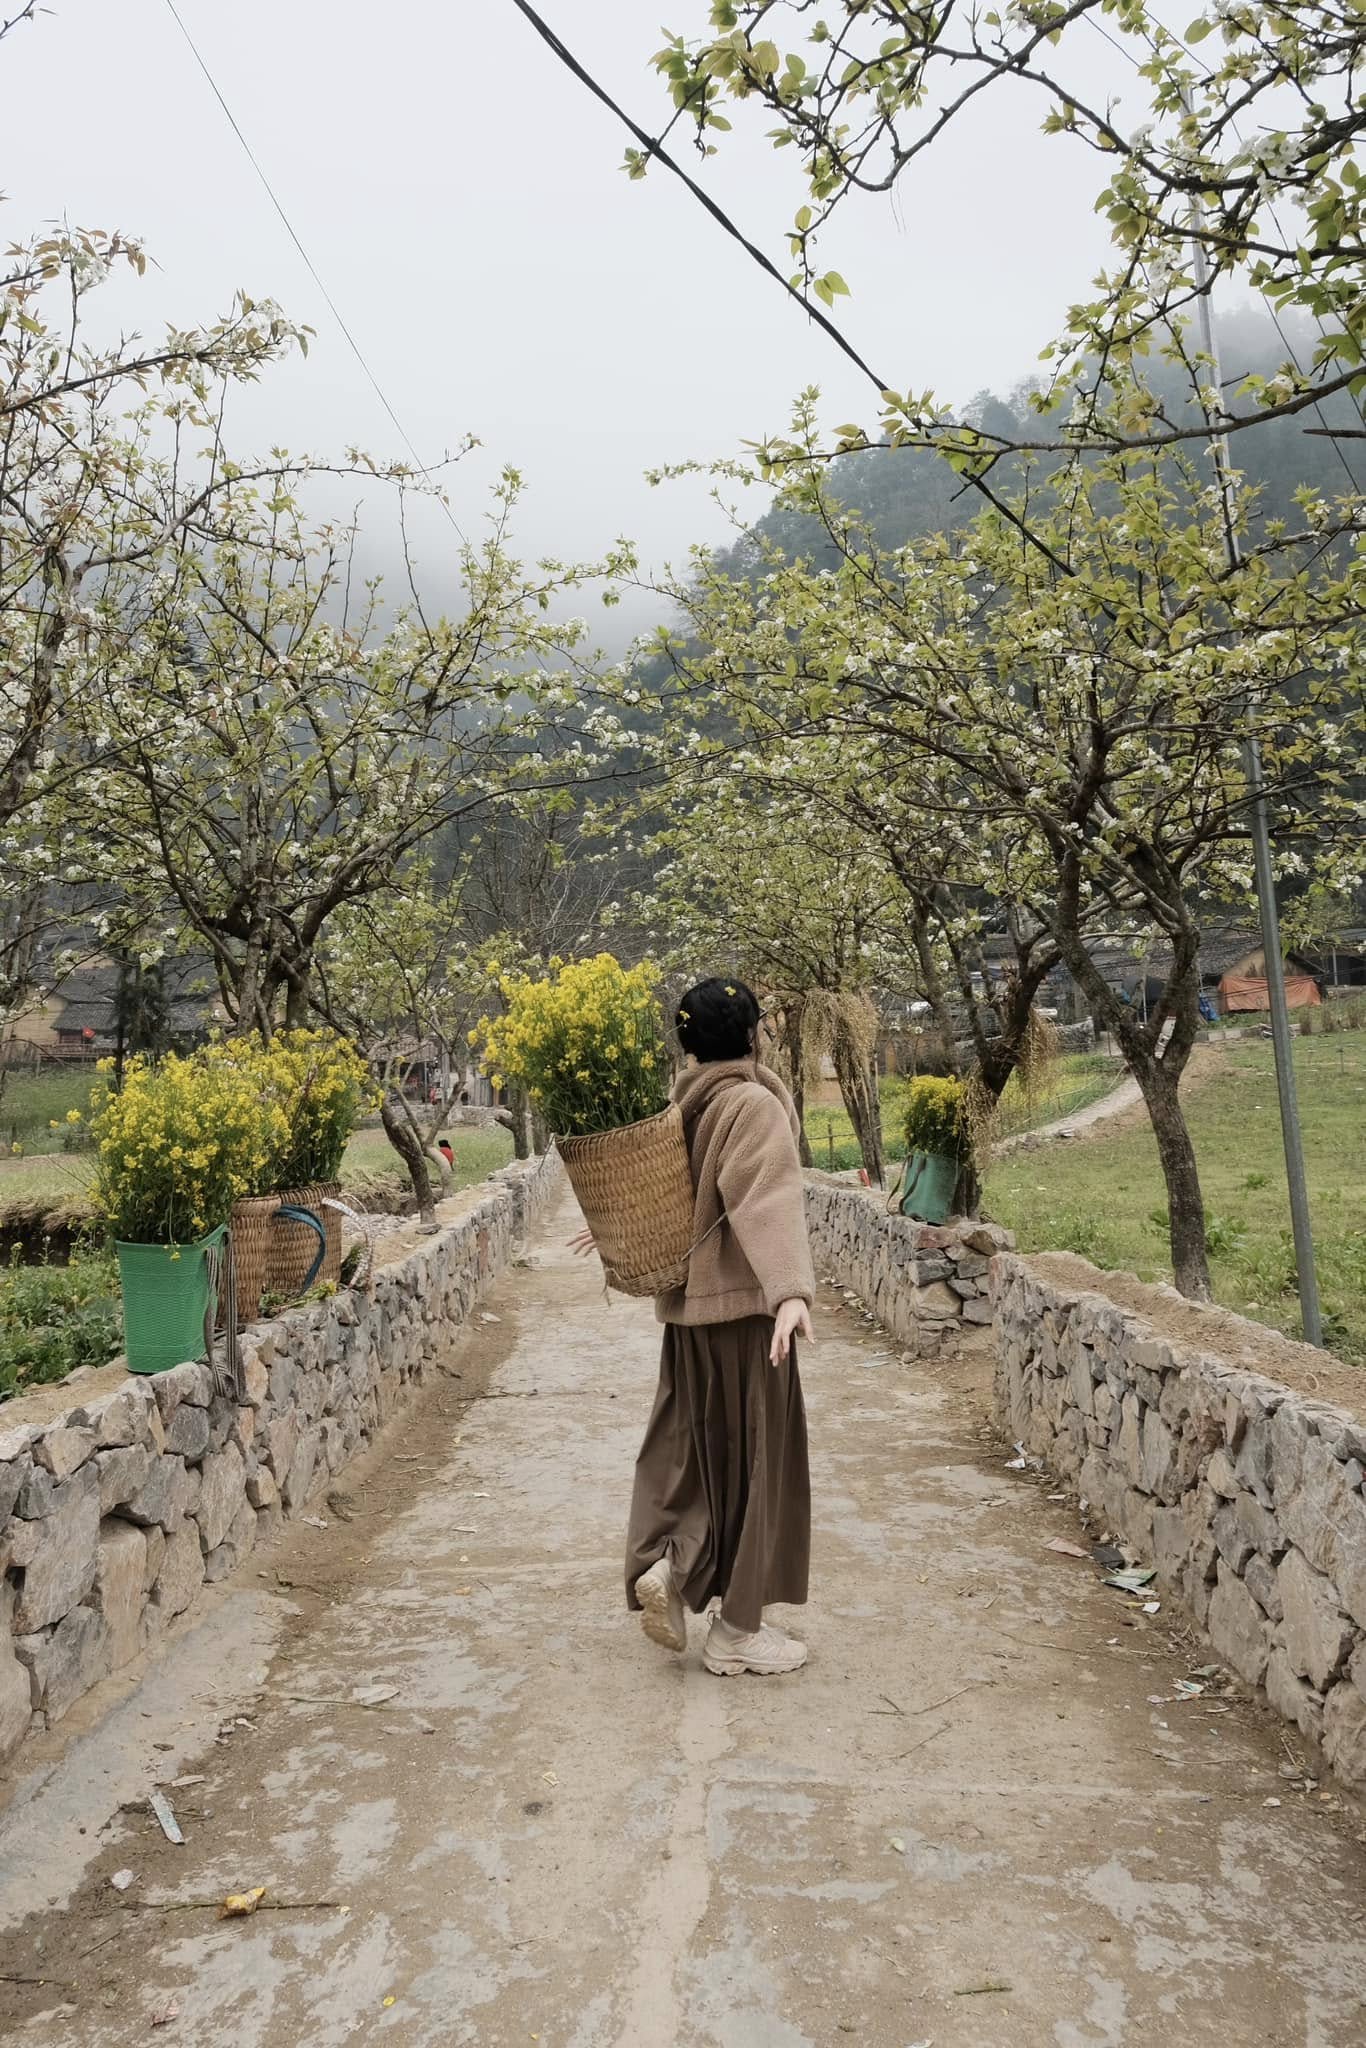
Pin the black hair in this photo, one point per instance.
(717, 1020)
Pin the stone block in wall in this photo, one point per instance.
(282, 1436)
(1260, 1578)
(127, 1416)
(187, 1433)
(1259, 1525)
(1237, 1626)
(1129, 1442)
(222, 1494)
(237, 1545)
(16, 1698)
(61, 1569)
(1344, 1733)
(262, 1490)
(159, 1497)
(122, 1473)
(181, 1574)
(1255, 1461)
(189, 1382)
(932, 1303)
(1161, 1475)
(1317, 1636)
(65, 1661)
(118, 1591)
(63, 1449)
(1222, 1477)
(1292, 1697)
(978, 1312)
(1235, 1546)
(298, 1477)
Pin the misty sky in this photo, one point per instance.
(463, 199)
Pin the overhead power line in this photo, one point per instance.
(292, 232)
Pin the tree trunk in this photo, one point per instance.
(296, 995)
(521, 1143)
(795, 1048)
(860, 1100)
(1185, 1202)
(1156, 1049)
(407, 1142)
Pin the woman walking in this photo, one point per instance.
(721, 1508)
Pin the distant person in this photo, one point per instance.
(721, 1508)
(447, 1151)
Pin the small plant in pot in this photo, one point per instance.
(938, 1147)
(178, 1144)
(587, 1044)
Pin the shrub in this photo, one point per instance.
(180, 1142)
(587, 1045)
(936, 1121)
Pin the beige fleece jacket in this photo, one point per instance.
(742, 1134)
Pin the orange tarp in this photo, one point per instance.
(1245, 992)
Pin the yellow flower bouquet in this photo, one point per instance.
(177, 1145)
(587, 1045)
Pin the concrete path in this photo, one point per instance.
(1126, 1096)
(979, 1818)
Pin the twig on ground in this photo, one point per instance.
(924, 1741)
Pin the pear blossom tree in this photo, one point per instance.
(1066, 745)
(283, 749)
(100, 473)
(1226, 149)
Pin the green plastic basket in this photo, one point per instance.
(165, 1301)
(927, 1191)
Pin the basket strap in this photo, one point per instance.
(697, 1246)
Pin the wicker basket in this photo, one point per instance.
(252, 1230)
(294, 1247)
(635, 1189)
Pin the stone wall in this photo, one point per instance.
(924, 1282)
(1245, 1495)
(115, 1514)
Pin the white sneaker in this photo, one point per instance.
(768, 1652)
(661, 1607)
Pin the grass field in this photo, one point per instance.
(31, 1103)
(1103, 1196)
(1076, 1080)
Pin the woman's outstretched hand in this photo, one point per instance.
(792, 1320)
(583, 1243)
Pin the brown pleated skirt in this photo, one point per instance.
(722, 1487)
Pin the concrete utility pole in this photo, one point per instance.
(1259, 816)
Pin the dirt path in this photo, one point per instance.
(1120, 1110)
(967, 1823)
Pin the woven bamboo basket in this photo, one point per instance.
(635, 1189)
(251, 1244)
(293, 1246)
